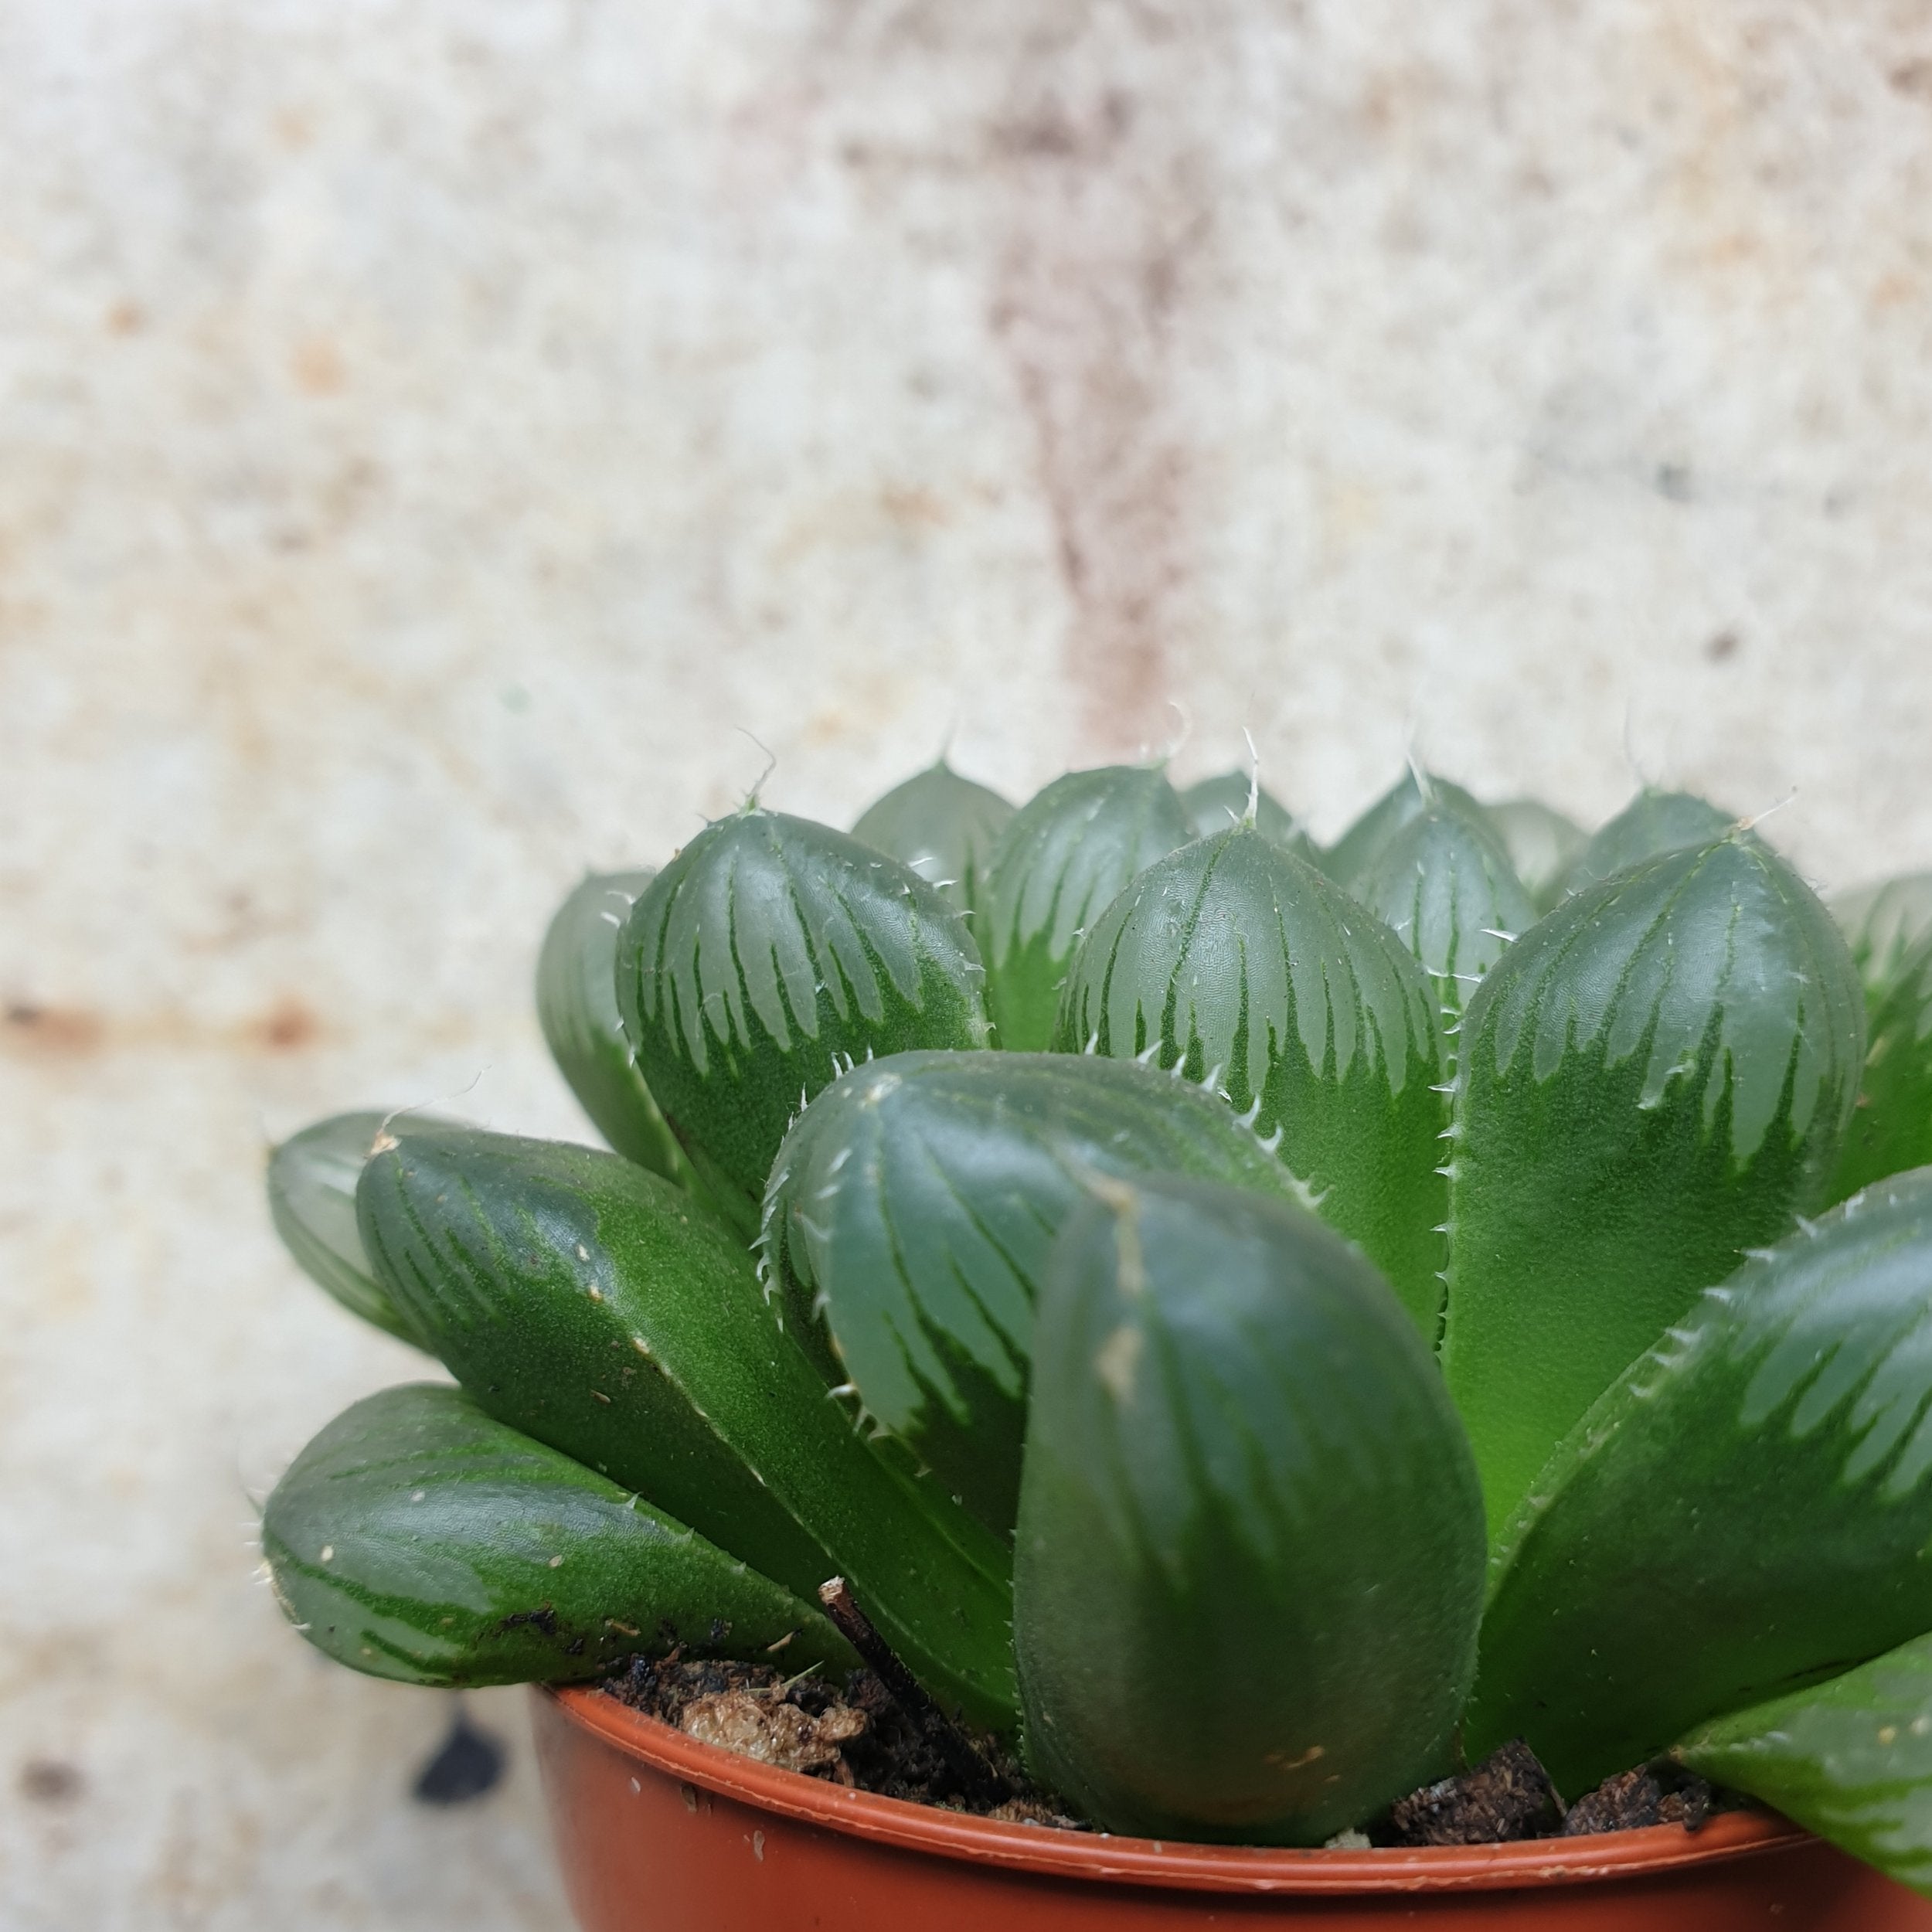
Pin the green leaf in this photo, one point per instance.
(1216, 803)
(596, 1307)
(416, 1539)
(1412, 794)
(1652, 1079)
(915, 1201)
(311, 1198)
(1249, 1559)
(1749, 1508)
(1446, 888)
(1885, 924)
(576, 1006)
(1653, 823)
(1062, 859)
(1850, 1759)
(1542, 843)
(944, 827)
(1891, 1126)
(769, 955)
(1259, 978)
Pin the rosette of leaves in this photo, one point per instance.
(1248, 970)
(769, 955)
(1083, 1299)
(911, 1212)
(1063, 858)
(944, 827)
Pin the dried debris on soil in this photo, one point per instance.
(857, 1736)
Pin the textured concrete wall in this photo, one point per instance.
(430, 433)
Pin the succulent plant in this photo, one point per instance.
(1347, 1310)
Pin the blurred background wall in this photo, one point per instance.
(433, 436)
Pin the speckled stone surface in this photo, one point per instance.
(433, 436)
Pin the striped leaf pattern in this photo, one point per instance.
(1253, 973)
(944, 827)
(1445, 886)
(1249, 1566)
(1655, 1077)
(576, 1006)
(417, 1539)
(910, 1215)
(1747, 1509)
(1063, 856)
(1851, 1760)
(596, 1307)
(768, 956)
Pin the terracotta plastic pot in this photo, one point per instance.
(658, 1833)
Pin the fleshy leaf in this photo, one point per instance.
(1542, 845)
(1249, 1566)
(576, 1006)
(1446, 888)
(1748, 1508)
(1653, 823)
(595, 1306)
(1061, 860)
(417, 1539)
(1216, 803)
(1254, 973)
(942, 825)
(1850, 1759)
(1891, 1126)
(914, 1204)
(1655, 1077)
(1412, 794)
(769, 955)
(311, 1198)
(1885, 924)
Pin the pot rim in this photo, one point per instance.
(1153, 1862)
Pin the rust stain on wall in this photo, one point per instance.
(1107, 214)
(55, 1032)
(32, 1029)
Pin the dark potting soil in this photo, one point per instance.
(860, 1736)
